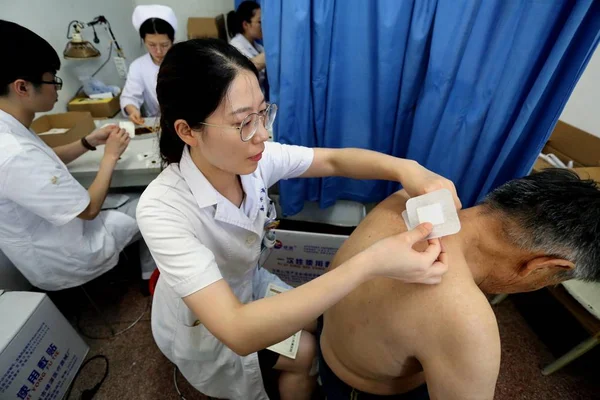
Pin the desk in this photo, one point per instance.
(138, 165)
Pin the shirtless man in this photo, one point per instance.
(390, 339)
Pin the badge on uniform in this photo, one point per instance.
(271, 223)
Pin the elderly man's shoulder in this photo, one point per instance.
(455, 310)
(457, 327)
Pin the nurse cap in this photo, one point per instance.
(142, 13)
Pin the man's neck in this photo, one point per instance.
(483, 246)
(22, 115)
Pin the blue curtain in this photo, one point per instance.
(470, 89)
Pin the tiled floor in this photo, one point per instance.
(139, 371)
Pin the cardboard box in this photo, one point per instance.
(40, 352)
(201, 28)
(99, 108)
(299, 257)
(588, 173)
(77, 125)
(572, 144)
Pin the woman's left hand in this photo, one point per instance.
(418, 180)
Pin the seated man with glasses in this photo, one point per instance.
(51, 228)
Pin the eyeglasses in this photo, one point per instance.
(57, 82)
(249, 125)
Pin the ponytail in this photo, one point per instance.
(236, 19)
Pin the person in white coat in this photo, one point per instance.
(51, 228)
(157, 26)
(245, 28)
(206, 215)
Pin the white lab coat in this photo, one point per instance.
(140, 87)
(240, 42)
(39, 203)
(198, 237)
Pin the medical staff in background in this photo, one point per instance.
(157, 26)
(245, 28)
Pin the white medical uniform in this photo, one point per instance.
(240, 42)
(39, 203)
(140, 87)
(198, 237)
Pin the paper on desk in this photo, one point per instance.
(113, 201)
(288, 347)
(54, 131)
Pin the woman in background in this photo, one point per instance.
(156, 25)
(245, 28)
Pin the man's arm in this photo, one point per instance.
(461, 356)
(99, 189)
(72, 151)
(69, 152)
(116, 144)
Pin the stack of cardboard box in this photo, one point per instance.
(572, 144)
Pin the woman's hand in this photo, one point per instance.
(134, 114)
(418, 180)
(394, 257)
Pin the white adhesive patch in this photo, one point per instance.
(129, 127)
(432, 213)
(435, 207)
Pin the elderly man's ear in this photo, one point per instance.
(545, 263)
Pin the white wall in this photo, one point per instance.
(583, 108)
(192, 8)
(49, 19)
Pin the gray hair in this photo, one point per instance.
(554, 212)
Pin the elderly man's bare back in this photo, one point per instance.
(389, 337)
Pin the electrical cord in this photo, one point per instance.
(117, 333)
(112, 42)
(88, 394)
(181, 396)
(99, 68)
(69, 28)
(106, 61)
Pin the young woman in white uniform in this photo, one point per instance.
(245, 28)
(156, 25)
(204, 220)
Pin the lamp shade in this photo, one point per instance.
(77, 48)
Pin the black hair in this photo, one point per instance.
(157, 26)
(244, 13)
(554, 212)
(31, 56)
(192, 81)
